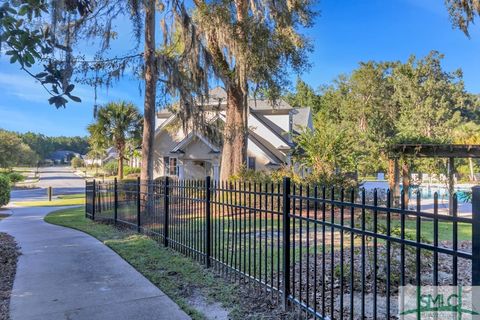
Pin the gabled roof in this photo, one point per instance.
(189, 138)
(218, 93)
(301, 118)
(260, 109)
(218, 97)
(275, 156)
(279, 132)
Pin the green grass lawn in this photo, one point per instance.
(178, 276)
(63, 200)
(72, 196)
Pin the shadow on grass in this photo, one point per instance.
(178, 276)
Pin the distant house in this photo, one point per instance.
(111, 154)
(91, 161)
(193, 155)
(62, 156)
(135, 159)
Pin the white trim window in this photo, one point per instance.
(170, 166)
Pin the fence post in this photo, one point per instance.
(165, 211)
(115, 200)
(86, 198)
(286, 242)
(208, 240)
(476, 247)
(94, 198)
(49, 193)
(138, 205)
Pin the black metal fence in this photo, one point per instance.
(335, 254)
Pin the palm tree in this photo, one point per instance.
(116, 124)
(95, 152)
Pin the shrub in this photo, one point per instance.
(130, 170)
(276, 176)
(111, 168)
(4, 190)
(15, 177)
(77, 162)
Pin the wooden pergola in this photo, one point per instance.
(446, 151)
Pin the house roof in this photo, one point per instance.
(218, 97)
(279, 132)
(61, 154)
(261, 110)
(218, 93)
(301, 118)
(275, 155)
(190, 138)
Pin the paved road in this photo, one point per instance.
(61, 179)
(67, 274)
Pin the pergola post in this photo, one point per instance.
(396, 182)
(451, 183)
(405, 181)
(394, 179)
(445, 151)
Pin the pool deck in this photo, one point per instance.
(464, 208)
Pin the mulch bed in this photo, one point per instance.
(9, 252)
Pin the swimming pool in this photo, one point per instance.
(464, 194)
(426, 190)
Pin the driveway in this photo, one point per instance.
(61, 179)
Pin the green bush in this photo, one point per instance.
(130, 170)
(276, 176)
(77, 162)
(111, 168)
(4, 190)
(14, 177)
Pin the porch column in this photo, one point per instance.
(216, 171)
(181, 171)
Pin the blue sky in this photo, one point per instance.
(346, 32)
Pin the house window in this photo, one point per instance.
(173, 167)
(251, 163)
(170, 166)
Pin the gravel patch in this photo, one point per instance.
(319, 286)
(9, 252)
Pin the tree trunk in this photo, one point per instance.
(235, 137)
(120, 166)
(150, 93)
(234, 153)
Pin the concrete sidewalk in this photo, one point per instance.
(67, 274)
